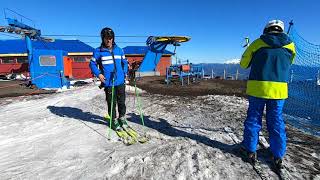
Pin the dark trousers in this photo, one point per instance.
(119, 97)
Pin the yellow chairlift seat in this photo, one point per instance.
(172, 39)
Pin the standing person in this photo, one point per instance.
(110, 66)
(133, 70)
(269, 57)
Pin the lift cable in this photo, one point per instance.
(79, 35)
(96, 42)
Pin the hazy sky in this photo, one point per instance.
(216, 28)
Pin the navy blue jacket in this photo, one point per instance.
(270, 58)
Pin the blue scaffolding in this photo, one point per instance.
(156, 47)
(184, 71)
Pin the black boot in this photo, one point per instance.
(277, 162)
(101, 85)
(248, 156)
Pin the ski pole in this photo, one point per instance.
(290, 26)
(138, 102)
(111, 113)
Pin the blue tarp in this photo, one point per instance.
(47, 68)
(19, 46)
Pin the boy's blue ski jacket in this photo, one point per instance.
(112, 64)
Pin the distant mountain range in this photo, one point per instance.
(298, 72)
(230, 68)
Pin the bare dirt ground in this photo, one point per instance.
(157, 85)
(18, 88)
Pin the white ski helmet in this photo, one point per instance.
(275, 24)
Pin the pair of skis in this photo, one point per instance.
(126, 134)
(129, 136)
(256, 165)
(282, 173)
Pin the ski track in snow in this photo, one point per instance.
(64, 136)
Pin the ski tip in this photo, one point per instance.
(129, 142)
(143, 141)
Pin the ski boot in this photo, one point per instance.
(123, 122)
(280, 169)
(248, 156)
(277, 163)
(107, 117)
(251, 157)
(122, 134)
(133, 133)
(115, 125)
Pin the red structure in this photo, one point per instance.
(80, 65)
(10, 65)
(136, 54)
(81, 70)
(14, 59)
(19, 64)
(164, 62)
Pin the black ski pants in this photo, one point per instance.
(119, 97)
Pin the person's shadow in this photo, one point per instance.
(79, 115)
(163, 126)
(166, 128)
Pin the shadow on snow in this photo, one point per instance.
(79, 115)
(163, 127)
